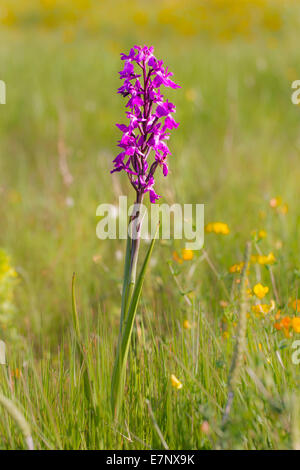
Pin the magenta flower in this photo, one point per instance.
(150, 117)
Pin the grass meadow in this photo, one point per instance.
(236, 150)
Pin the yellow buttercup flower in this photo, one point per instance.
(187, 255)
(260, 291)
(219, 228)
(175, 382)
(296, 324)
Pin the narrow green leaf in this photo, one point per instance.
(119, 372)
(126, 280)
(87, 375)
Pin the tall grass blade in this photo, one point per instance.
(74, 310)
(86, 373)
(240, 338)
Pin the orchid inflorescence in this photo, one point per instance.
(150, 117)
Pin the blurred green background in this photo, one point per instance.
(237, 145)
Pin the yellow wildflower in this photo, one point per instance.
(260, 291)
(263, 308)
(236, 268)
(286, 321)
(262, 234)
(263, 259)
(260, 308)
(187, 255)
(16, 373)
(296, 324)
(271, 258)
(175, 382)
(225, 335)
(218, 228)
(187, 325)
(275, 202)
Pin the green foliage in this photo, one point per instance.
(236, 148)
(119, 370)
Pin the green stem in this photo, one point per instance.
(132, 301)
(130, 277)
(126, 279)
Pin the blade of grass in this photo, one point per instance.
(16, 414)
